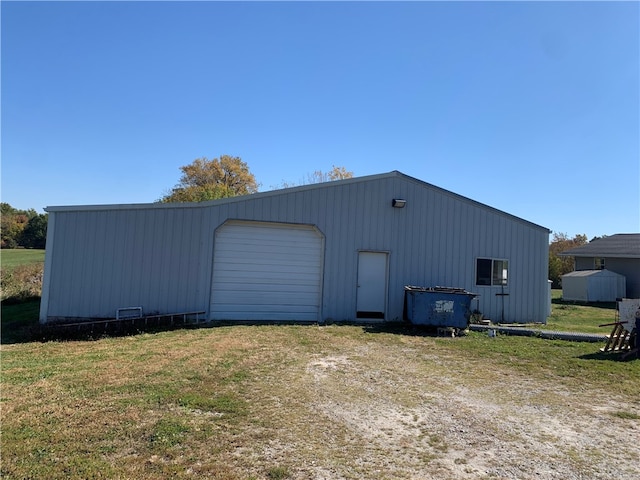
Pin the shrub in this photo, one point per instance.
(21, 283)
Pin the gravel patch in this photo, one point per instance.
(443, 427)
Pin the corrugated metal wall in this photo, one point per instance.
(105, 259)
(161, 256)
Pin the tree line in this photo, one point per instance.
(22, 228)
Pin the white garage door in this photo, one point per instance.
(266, 271)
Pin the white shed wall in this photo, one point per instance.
(606, 289)
(593, 286)
(574, 289)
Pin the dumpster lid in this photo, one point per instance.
(438, 289)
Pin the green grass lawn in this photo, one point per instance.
(573, 317)
(11, 258)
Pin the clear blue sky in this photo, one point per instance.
(532, 108)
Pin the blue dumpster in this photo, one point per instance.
(438, 306)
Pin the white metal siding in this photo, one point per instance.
(161, 255)
(593, 286)
(104, 260)
(266, 271)
(575, 288)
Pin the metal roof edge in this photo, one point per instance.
(598, 255)
(587, 273)
(589, 250)
(300, 188)
(220, 201)
(472, 201)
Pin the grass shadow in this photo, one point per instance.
(19, 320)
(624, 356)
(90, 332)
(407, 329)
(601, 305)
(20, 324)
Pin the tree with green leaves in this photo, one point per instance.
(34, 234)
(558, 265)
(205, 179)
(13, 222)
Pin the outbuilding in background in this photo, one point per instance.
(593, 286)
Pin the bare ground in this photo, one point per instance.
(373, 417)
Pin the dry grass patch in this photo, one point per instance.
(21, 283)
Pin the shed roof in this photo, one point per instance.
(592, 273)
(621, 245)
(330, 184)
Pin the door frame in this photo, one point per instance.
(366, 315)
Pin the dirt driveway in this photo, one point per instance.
(432, 414)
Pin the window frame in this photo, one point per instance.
(599, 263)
(492, 280)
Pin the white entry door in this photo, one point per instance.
(371, 298)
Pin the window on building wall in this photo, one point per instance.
(490, 271)
(599, 263)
